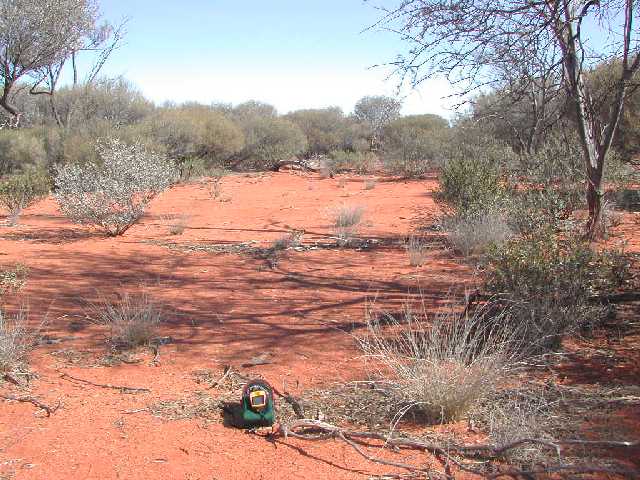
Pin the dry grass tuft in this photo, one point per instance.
(370, 184)
(133, 319)
(473, 233)
(438, 367)
(15, 340)
(346, 220)
(417, 251)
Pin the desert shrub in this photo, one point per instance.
(417, 249)
(342, 161)
(324, 128)
(549, 282)
(413, 145)
(473, 232)
(113, 195)
(271, 140)
(21, 190)
(189, 133)
(133, 319)
(114, 100)
(471, 184)
(346, 220)
(15, 340)
(20, 149)
(439, 367)
(251, 110)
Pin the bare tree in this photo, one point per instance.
(37, 38)
(472, 42)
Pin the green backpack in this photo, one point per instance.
(257, 404)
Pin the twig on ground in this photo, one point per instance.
(123, 389)
(227, 371)
(49, 410)
(317, 430)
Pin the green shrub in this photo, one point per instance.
(20, 149)
(21, 190)
(193, 133)
(271, 140)
(471, 184)
(548, 284)
(324, 128)
(413, 145)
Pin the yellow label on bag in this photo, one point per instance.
(258, 399)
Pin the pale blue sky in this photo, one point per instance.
(291, 53)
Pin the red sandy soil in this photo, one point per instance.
(222, 309)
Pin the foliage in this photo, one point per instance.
(413, 145)
(113, 195)
(549, 282)
(112, 100)
(20, 149)
(345, 222)
(15, 340)
(377, 112)
(21, 190)
(325, 129)
(471, 184)
(271, 140)
(472, 232)
(13, 279)
(252, 110)
(35, 36)
(194, 132)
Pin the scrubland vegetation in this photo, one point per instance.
(515, 204)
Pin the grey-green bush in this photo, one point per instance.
(20, 149)
(270, 141)
(21, 190)
(113, 194)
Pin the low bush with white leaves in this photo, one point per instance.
(113, 194)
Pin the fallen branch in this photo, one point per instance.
(49, 410)
(123, 389)
(316, 430)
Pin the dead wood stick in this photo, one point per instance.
(227, 371)
(371, 458)
(317, 430)
(49, 410)
(122, 389)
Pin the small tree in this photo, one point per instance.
(514, 44)
(35, 36)
(113, 195)
(377, 112)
